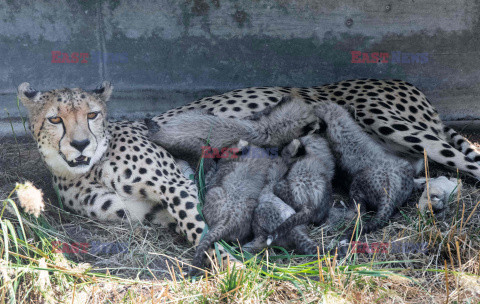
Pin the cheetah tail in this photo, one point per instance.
(462, 144)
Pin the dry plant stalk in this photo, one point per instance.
(31, 198)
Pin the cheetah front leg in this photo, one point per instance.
(94, 200)
(182, 202)
(173, 194)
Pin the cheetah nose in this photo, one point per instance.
(80, 145)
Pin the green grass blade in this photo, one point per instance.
(17, 213)
(6, 244)
(13, 235)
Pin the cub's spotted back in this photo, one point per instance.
(380, 181)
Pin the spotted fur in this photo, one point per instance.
(307, 187)
(108, 170)
(380, 181)
(393, 112)
(272, 212)
(268, 216)
(231, 198)
(186, 134)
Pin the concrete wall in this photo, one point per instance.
(163, 53)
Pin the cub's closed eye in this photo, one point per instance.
(92, 115)
(55, 120)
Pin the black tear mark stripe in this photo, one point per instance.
(63, 135)
(41, 128)
(88, 124)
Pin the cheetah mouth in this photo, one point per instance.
(79, 161)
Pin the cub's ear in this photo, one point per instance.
(322, 127)
(28, 95)
(419, 183)
(104, 91)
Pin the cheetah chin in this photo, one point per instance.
(83, 164)
(79, 165)
(79, 161)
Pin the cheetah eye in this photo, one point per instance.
(92, 115)
(55, 120)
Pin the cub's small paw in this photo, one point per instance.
(271, 238)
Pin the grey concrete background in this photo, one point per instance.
(164, 53)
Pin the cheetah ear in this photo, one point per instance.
(28, 95)
(104, 91)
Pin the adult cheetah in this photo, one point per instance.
(112, 171)
(108, 170)
(393, 112)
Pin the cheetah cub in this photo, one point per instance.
(185, 134)
(307, 187)
(232, 193)
(271, 212)
(379, 181)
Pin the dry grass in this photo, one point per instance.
(147, 273)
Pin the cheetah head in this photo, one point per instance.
(69, 126)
